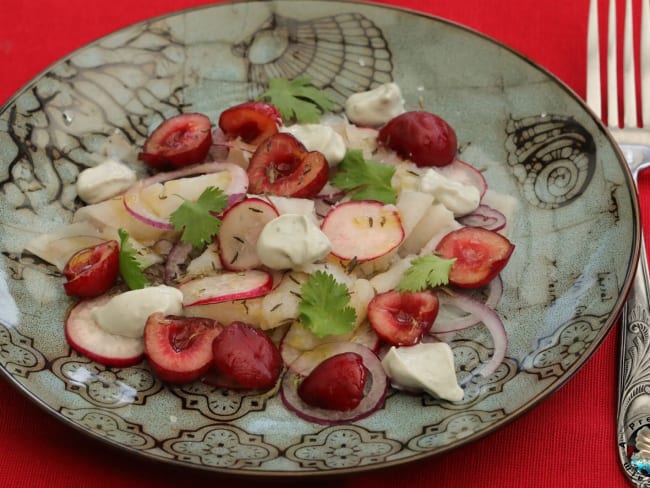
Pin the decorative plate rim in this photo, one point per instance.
(533, 402)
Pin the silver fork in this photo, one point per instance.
(633, 417)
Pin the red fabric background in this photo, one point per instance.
(567, 441)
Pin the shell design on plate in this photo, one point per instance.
(103, 101)
(342, 54)
(552, 157)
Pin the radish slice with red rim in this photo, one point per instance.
(226, 287)
(376, 385)
(484, 216)
(140, 212)
(86, 337)
(133, 203)
(377, 226)
(464, 173)
(240, 229)
(492, 322)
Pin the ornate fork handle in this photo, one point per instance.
(633, 426)
(633, 421)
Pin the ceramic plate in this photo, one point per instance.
(575, 226)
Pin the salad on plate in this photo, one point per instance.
(288, 247)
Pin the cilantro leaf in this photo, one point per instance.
(426, 272)
(130, 266)
(367, 180)
(324, 308)
(297, 100)
(195, 219)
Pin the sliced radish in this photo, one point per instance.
(372, 400)
(363, 230)
(241, 226)
(226, 286)
(86, 337)
(152, 200)
(465, 173)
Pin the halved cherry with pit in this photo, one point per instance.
(93, 270)
(178, 141)
(282, 166)
(479, 255)
(252, 122)
(179, 349)
(402, 318)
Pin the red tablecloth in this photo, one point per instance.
(567, 441)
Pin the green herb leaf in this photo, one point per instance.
(324, 308)
(426, 272)
(297, 100)
(367, 180)
(130, 266)
(196, 219)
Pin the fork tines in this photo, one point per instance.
(629, 95)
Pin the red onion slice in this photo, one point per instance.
(446, 324)
(330, 193)
(299, 342)
(372, 400)
(238, 186)
(495, 292)
(491, 320)
(176, 257)
(486, 217)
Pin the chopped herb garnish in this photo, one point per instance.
(426, 272)
(197, 220)
(325, 306)
(297, 100)
(131, 267)
(366, 180)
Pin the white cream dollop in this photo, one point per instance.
(425, 366)
(291, 241)
(126, 314)
(457, 197)
(104, 181)
(375, 107)
(321, 138)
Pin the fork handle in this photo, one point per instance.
(633, 421)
